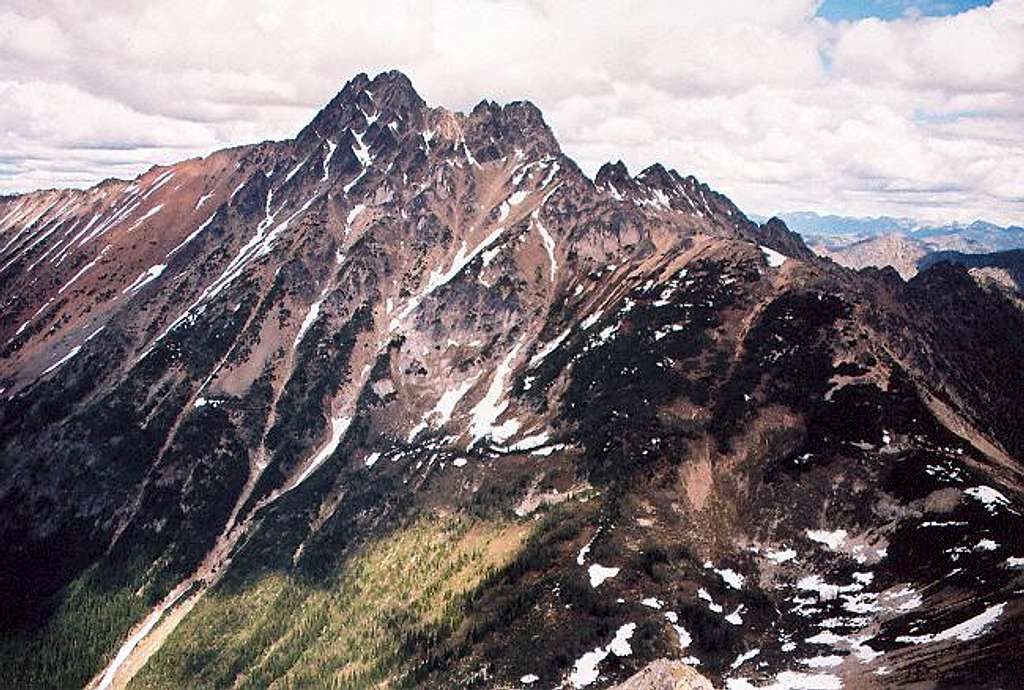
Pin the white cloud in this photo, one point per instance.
(977, 51)
(771, 105)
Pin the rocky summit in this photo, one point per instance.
(410, 401)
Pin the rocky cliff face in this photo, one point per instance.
(410, 400)
(901, 253)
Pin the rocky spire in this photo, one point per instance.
(496, 130)
(656, 176)
(393, 91)
(615, 174)
(388, 96)
(774, 234)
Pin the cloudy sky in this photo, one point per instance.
(899, 107)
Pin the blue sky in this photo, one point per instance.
(892, 9)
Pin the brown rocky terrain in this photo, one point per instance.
(893, 250)
(413, 369)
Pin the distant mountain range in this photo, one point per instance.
(898, 242)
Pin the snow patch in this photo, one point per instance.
(780, 556)
(703, 594)
(744, 658)
(729, 576)
(734, 618)
(549, 243)
(591, 320)
(493, 404)
(970, 629)
(331, 147)
(529, 443)
(620, 645)
(822, 661)
(82, 271)
(988, 496)
(437, 279)
(581, 557)
(790, 680)
(986, 545)
(146, 277)
(599, 573)
(446, 405)
(585, 671)
(149, 214)
(682, 634)
(354, 213)
(309, 320)
(63, 360)
(160, 182)
(202, 200)
(547, 450)
(129, 646)
(832, 540)
(548, 349)
(293, 171)
(853, 644)
(339, 425)
(774, 258)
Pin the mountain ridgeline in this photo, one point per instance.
(410, 401)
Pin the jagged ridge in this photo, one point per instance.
(259, 366)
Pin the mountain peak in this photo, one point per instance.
(393, 89)
(655, 175)
(516, 125)
(390, 94)
(612, 174)
(775, 234)
(490, 129)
